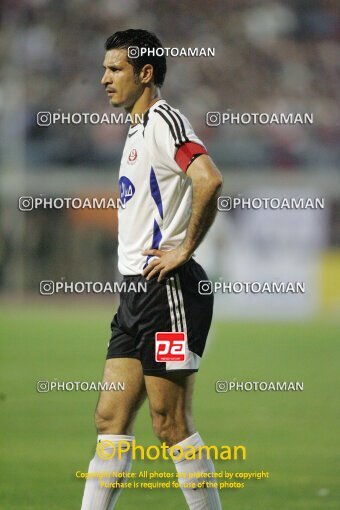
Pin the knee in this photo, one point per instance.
(169, 428)
(112, 422)
(104, 421)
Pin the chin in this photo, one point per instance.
(117, 104)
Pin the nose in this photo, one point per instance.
(105, 79)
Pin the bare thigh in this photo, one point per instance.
(116, 410)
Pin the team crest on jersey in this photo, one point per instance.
(132, 157)
(126, 189)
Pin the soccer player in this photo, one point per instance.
(168, 186)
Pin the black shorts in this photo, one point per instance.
(171, 306)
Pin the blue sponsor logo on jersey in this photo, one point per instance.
(126, 189)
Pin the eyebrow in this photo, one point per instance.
(117, 66)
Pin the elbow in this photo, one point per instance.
(212, 184)
(219, 183)
(216, 183)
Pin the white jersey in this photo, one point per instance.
(154, 189)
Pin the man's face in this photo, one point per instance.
(119, 80)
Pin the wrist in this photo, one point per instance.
(185, 251)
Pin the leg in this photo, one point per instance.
(170, 398)
(116, 411)
(114, 418)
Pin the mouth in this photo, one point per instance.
(110, 92)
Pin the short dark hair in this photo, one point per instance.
(141, 39)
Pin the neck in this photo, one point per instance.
(144, 102)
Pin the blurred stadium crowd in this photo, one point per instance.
(271, 56)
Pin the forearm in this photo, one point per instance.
(205, 190)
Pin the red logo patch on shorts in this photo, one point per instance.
(170, 346)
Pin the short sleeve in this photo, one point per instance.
(171, 140)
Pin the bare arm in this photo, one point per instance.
(206, 183)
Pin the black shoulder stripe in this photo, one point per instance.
(174, 122)
(169, 124)
(185, 137)
(145, 120)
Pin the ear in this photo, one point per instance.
(146, 74)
